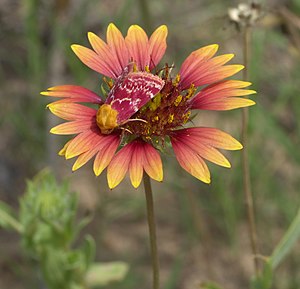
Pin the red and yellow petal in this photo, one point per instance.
(200, 68)
(138, 46)
(223, 95)
(136, 164)
(226, 103)
(135, 157)
(73, 127)
(152, 162)
(83, 142)
(73, 93)
(157, 45)
(217, 74)
(195, 60)
(191, 161)
(119, 165)
(72, 111)
(117, 45)
(207, 152)
(84, 158)
(91, 59)
(191, 145)
(105, 155)
(105, 55)
(62, 152)
(213, 137)
(107, 146)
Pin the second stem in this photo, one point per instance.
(245, 159)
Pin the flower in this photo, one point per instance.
(143, 110)
(245, 14)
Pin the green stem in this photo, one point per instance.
(152, 230)
(245, 160)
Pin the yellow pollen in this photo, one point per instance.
(186, 117)
(177, 80)
(155, 103)
(171, 118)
(109, 82)
(106, 118)
(191, 91)
(155, 118)
(134, 68)
(178, 100)
(147, 69)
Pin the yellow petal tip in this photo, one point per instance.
(227, 165)
(251, 102)
(135, 26)
(46, 93)
(75, 47)
(135, 185)
(215, 46)
(111, 26)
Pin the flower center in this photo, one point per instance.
(163, 106)
(168, 110)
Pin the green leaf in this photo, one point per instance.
(287, 242)
(101, 274)
(264, 281)
(89, 249)
(7, 220)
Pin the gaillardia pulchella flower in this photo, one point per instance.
(143, 109)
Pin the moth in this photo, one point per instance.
(131, 90)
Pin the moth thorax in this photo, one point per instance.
(106, 118)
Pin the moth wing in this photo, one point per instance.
(133, 91)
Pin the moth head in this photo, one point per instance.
(106, 118)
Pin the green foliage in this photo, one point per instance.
(101, 274)
(285, 246)
(7, 219)
(47, 215)
(265, 279)
(210, 285)
(49, 230)
(287, 242)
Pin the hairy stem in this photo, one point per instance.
(152, 230)
(245, 159)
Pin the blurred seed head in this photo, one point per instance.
(245, 14)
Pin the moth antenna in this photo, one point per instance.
(126, 129)
(135, 119)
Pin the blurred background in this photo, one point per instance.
(202, 229)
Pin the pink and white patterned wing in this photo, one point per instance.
(132, 91)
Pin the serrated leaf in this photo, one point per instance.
(101, 274)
